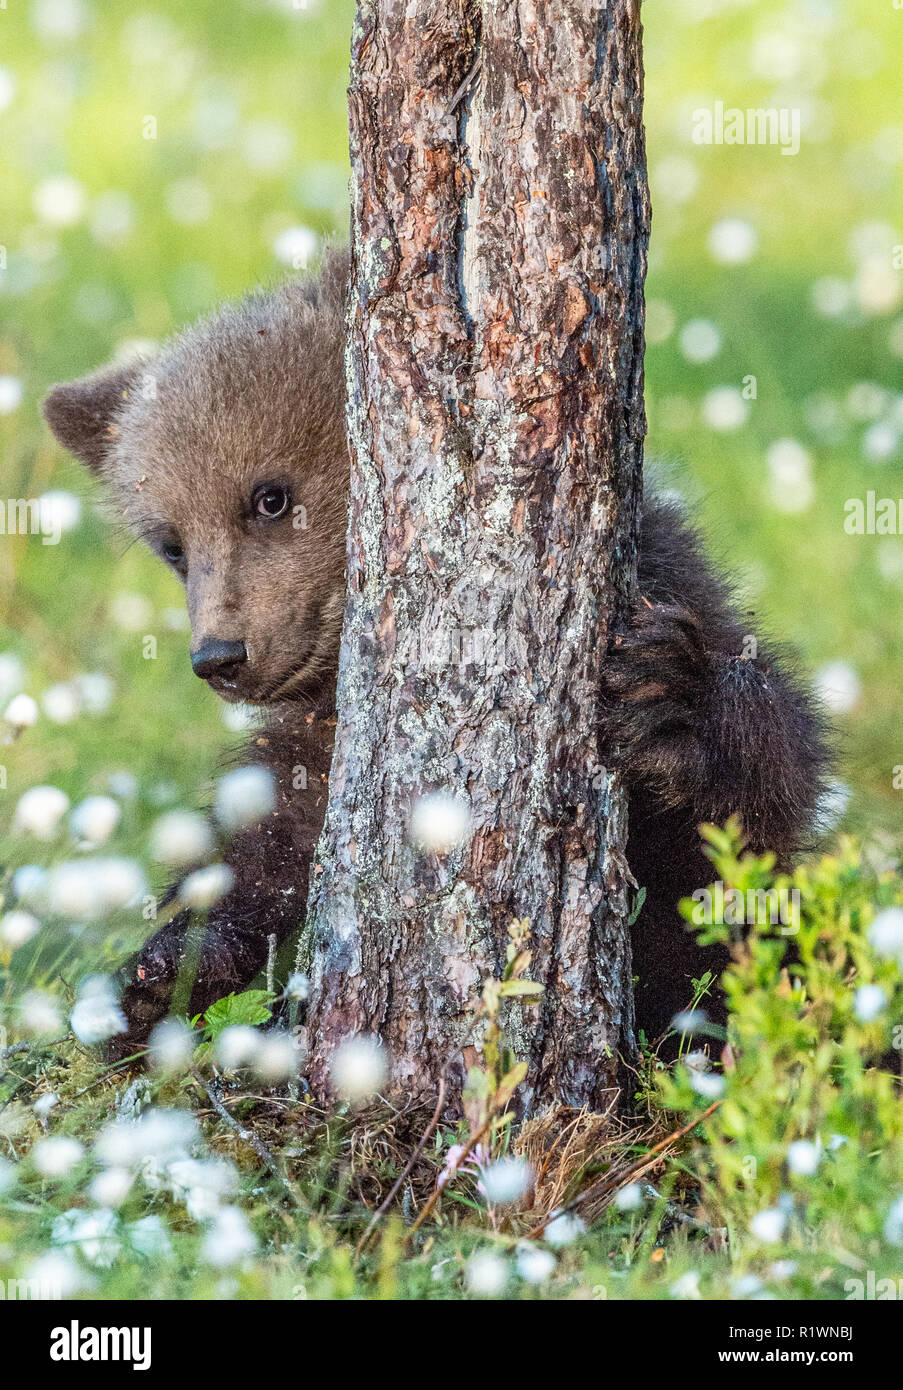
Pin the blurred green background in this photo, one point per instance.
(764, 265)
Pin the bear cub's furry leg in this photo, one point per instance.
(703, 725)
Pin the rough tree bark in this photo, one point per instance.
(495, 371)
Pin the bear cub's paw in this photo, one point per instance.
(655, 682)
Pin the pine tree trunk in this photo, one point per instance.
(496, 421)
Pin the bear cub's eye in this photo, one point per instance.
(173, 552)
(270, 501)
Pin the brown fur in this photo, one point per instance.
(254, 395)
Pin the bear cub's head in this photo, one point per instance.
(226, 454)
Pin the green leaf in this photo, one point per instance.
(252, 1008)
(637, 906)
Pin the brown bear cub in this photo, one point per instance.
(226, 454)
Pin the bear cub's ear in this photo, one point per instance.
(82, 413)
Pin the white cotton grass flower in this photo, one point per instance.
(29, 885)
(831, 805)
(39, 812)
(486, 1274)
(564, 1228)
(59, 201)
(707, 1085)
(44, 1104)
(803, 1157)
(768, 1226)
(93, 1233)
(505, 1181)
(296, 246)
(690, 1021)
(777, 55)
(886, 934)
(747, 1286)
(839, 687)
(59, 511)
(93, 820)
(439, 822)
(110, 1187)
(123, 784)
(534, 1265)
(9, 1173)
(91, 889)
(877, 286)
(629, 1197)
(149, 1237)
(277, 1058)
(297, 987)
(61, 703)
(12, 676)
(700, 341)
(267, 145)
(131, 612)
(188, 202)
(56, 1275)
(181, 837)
(95, 690)
(724, 409)
(733, 241)
(824, 417)
(676, 178)
(39, 1014)
(205, 887)
(171, 1045)
(782, 1269)
(358, 1068)
(880, 441)
(791, 485)
(686, 1286)
(244, 796)
(832, 297)
(201, 1183)
(57, 1156)
(96, 1015)
(869, 1002)
(159, 793)
(17, 928)
(236, 1046)
(7, 88)
(12, 393)
(229, 1239)
(112, 217)
(866, 400)
(889, 557)
(240, 718)
(159, 1134)
(893, 1225)
(201, 1203)
(21, 712)
(63, 20)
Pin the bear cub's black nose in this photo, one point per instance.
(216, 658)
